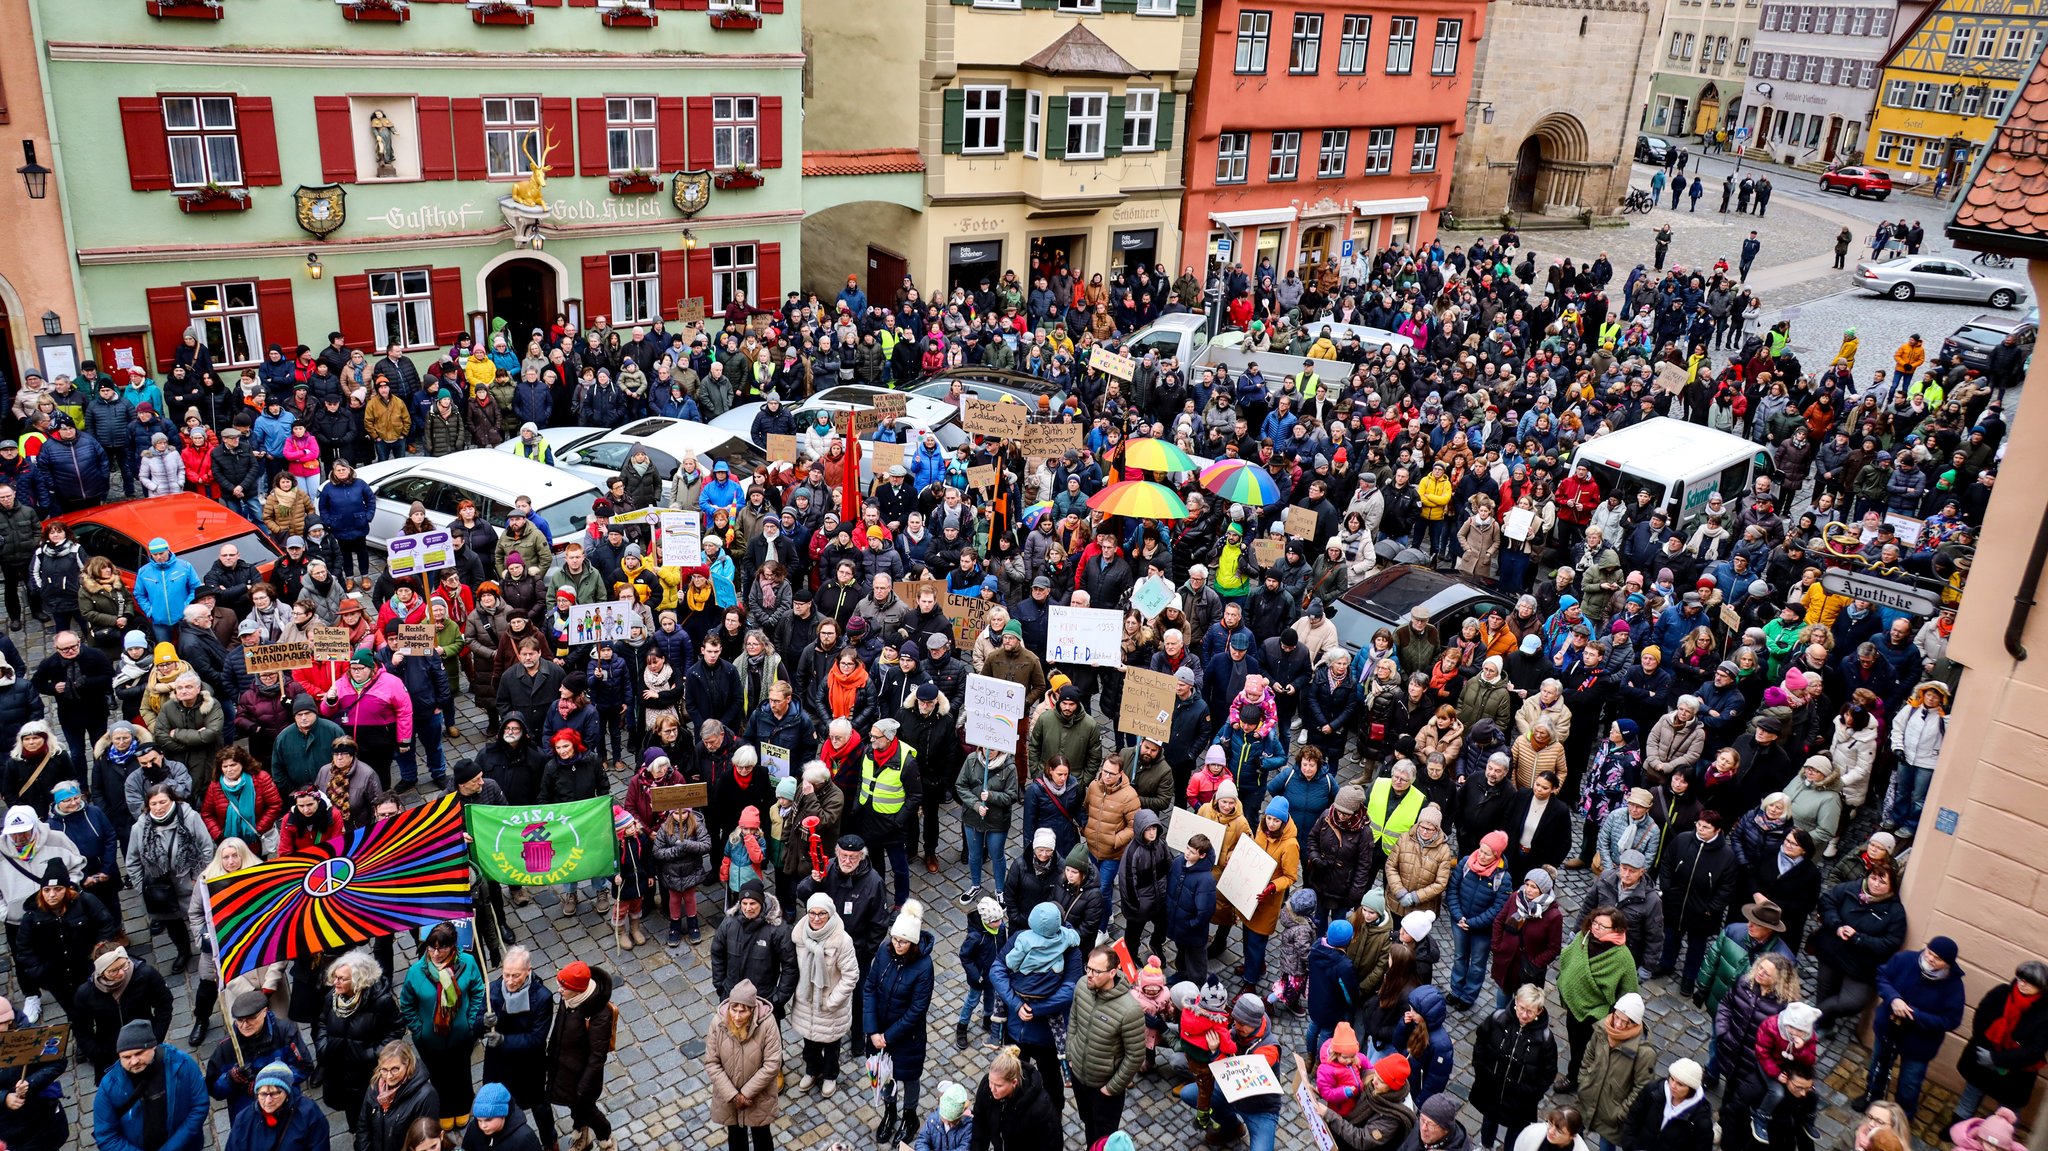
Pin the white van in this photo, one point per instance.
(1682, 464)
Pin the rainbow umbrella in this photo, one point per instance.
(1241, 482)
(1139, 499)
(1036, 512)
(1155, 455)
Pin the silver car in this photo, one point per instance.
(1936, 278)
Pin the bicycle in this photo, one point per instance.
(1992, 260)
(1637, 200)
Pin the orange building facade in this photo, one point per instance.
(1323, 122)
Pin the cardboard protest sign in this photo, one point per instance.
(1114, 364)
(994, 706)
(987, 418)
(329, 642)
(678, 796)
(1670, 378)
(1249, 871)
(782, 448)
(690, 310)
(981, 476)
(277, 657)
(415, 637)
(1148, 704)
(1268, 550)
(1041, 441)
(886, 456)
(1183, 825)
(1085, 635)
(34, 1045)
(1300, 523)
(1241, 1076)
(910, 591)
(892, 405)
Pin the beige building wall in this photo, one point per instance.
(1982, 883)
(862, 74)
(35, 262)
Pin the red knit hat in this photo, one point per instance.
(751, 819)
(1392, 1071)
(576, 976)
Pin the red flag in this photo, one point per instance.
(849, 494)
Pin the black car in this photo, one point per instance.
(1385, 598)
(1655, 150)
(1974, 340)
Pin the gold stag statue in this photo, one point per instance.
(529, 190)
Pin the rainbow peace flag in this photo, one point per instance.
(411, 870)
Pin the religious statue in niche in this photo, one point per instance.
(384, 143)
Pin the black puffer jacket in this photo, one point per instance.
(757, 950)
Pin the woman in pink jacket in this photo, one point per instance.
(373, 706)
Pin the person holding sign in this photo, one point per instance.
(1274, 836)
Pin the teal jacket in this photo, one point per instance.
(421, 991)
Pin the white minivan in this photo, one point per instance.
(1682, 464)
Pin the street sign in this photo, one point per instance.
(1893, 594)
(1742, 133)
(1223, 248)
(1348, 247)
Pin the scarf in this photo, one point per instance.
(2000, 1034)
(447, 1000)
(1615, 936)
(1486, 871)
(345, 1005)
(518, 1002)
(1527, 909)
(387, 1093)
(581, 997)
(695, 598)
(841, 688)
(1618, 1034)
(1674, 1110)
(241, 812)
(818, 975)
(114, 987)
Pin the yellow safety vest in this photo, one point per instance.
(537, 450)
(1389, 830)
(882, 788)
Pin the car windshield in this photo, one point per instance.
(570, 516)
(1611, 479)
(254, 549)
(1392, 595)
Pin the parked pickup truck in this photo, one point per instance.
(1185, 336)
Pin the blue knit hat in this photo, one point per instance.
(493, 1101)
(276, 1074)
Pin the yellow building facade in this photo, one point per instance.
(1948, 82)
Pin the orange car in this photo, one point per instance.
(195, 527)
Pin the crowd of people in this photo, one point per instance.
(1679, 707)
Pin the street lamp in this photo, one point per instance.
(313, 268)
(689, 240)
(36, 176)
(53, 324)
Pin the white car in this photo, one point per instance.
(597, 454)
(493, 479)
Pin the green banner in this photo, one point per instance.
(543, 844)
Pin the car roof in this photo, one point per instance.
(184, 519)
(1393, 592)
(502, 473)
(2002, 322)
(1674, 447)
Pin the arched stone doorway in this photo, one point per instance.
(524, 292)
(1550, 167)
(1708, 115)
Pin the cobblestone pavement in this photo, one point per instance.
(657, 1088)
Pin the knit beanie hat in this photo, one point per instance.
(493, 1101)
(274, 1074)
(1392, 1071)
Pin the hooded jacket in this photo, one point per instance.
(896, 1000)
(581, 1042)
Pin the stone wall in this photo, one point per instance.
(1587, 60)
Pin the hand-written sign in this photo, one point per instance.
(34, 1045)
(415, 638)
(1246, 875)
(1184, 825)
(1151, 596)
(1730, 618)
(690, 310)
(994, 706)
(865, 422)
(911, 591)
(760, 324)
(1148, 705)
(981, 477)
(782, 448)
(1305, 1094)
(1300, 523)
(1041, 441)
(891, 405)
(682, 539)
(329, 642)
(1520, 522)
(968, 614)
(1112, 363)
(678, 796)
(1244, 1075)
(986, 418)
(886, 456)
(278, 657)
(1670, 378)
(1268, 550)
(1085, 635)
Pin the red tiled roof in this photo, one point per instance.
(863, 162)
(2005, 206)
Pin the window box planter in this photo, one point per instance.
(735, 21)
(213, 199)
(386, 11)
(635, 184)
(186, 9)
(736, 179)
(628, 16)
(501, 15)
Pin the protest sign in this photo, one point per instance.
(690, 310)
(418, 554)
(609, 621)
(886, 456)
(1041, 441)
(1520, 521)
(1111, 363)
(277, 657)
(329, 642)
(1085, 635)
(1267, 550)
(761, 323)
(1249, 871)
(781, 447)
(1670, 378)
(1300, 523)
(682, 539)
(19, 1048)
(1183, 825)
(1151, 596)
(776, 759)
(415, 638)
(911, 591)
(865, 422)
(678, 796)
(981, 477)
(1305, 1094)
(1148, 704)
(1241, 1076)
(987, 418)
(892, 405)
(993, 708)
(1730, 618)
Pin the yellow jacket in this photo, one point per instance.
(480, 371)
(1910, 356)
(1436, 494)
(1847, 352)
(1823, 606)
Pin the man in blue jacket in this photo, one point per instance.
(1479, 890)
(154, 1101)
(164, 588)
(76, 466)
(1920, 999)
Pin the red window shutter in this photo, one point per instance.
(274, 310)
(258, 130)
(668, 5)
(445, 285)
(698, 264)
(597, 288)
(352, 312)
(546, 3)
(668, 132)
(168, 320)
(582, 3)
(696, 5)
(700, 133)
(471, 163)
(437, 147)
(558, 115)
(767, 275)
(149, 153)
(337, 141)
(673, 274)
(771, 131)
(596, 151)
(771, 7)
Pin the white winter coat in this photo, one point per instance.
(1917, 735)
(827, 976)
(162, 471)
(1854, 753)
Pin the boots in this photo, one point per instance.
(639, 936)
(569, 911)
(621, 938)
(907, 1134)
(203, 1003)
(675, 933)
(690, 925)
